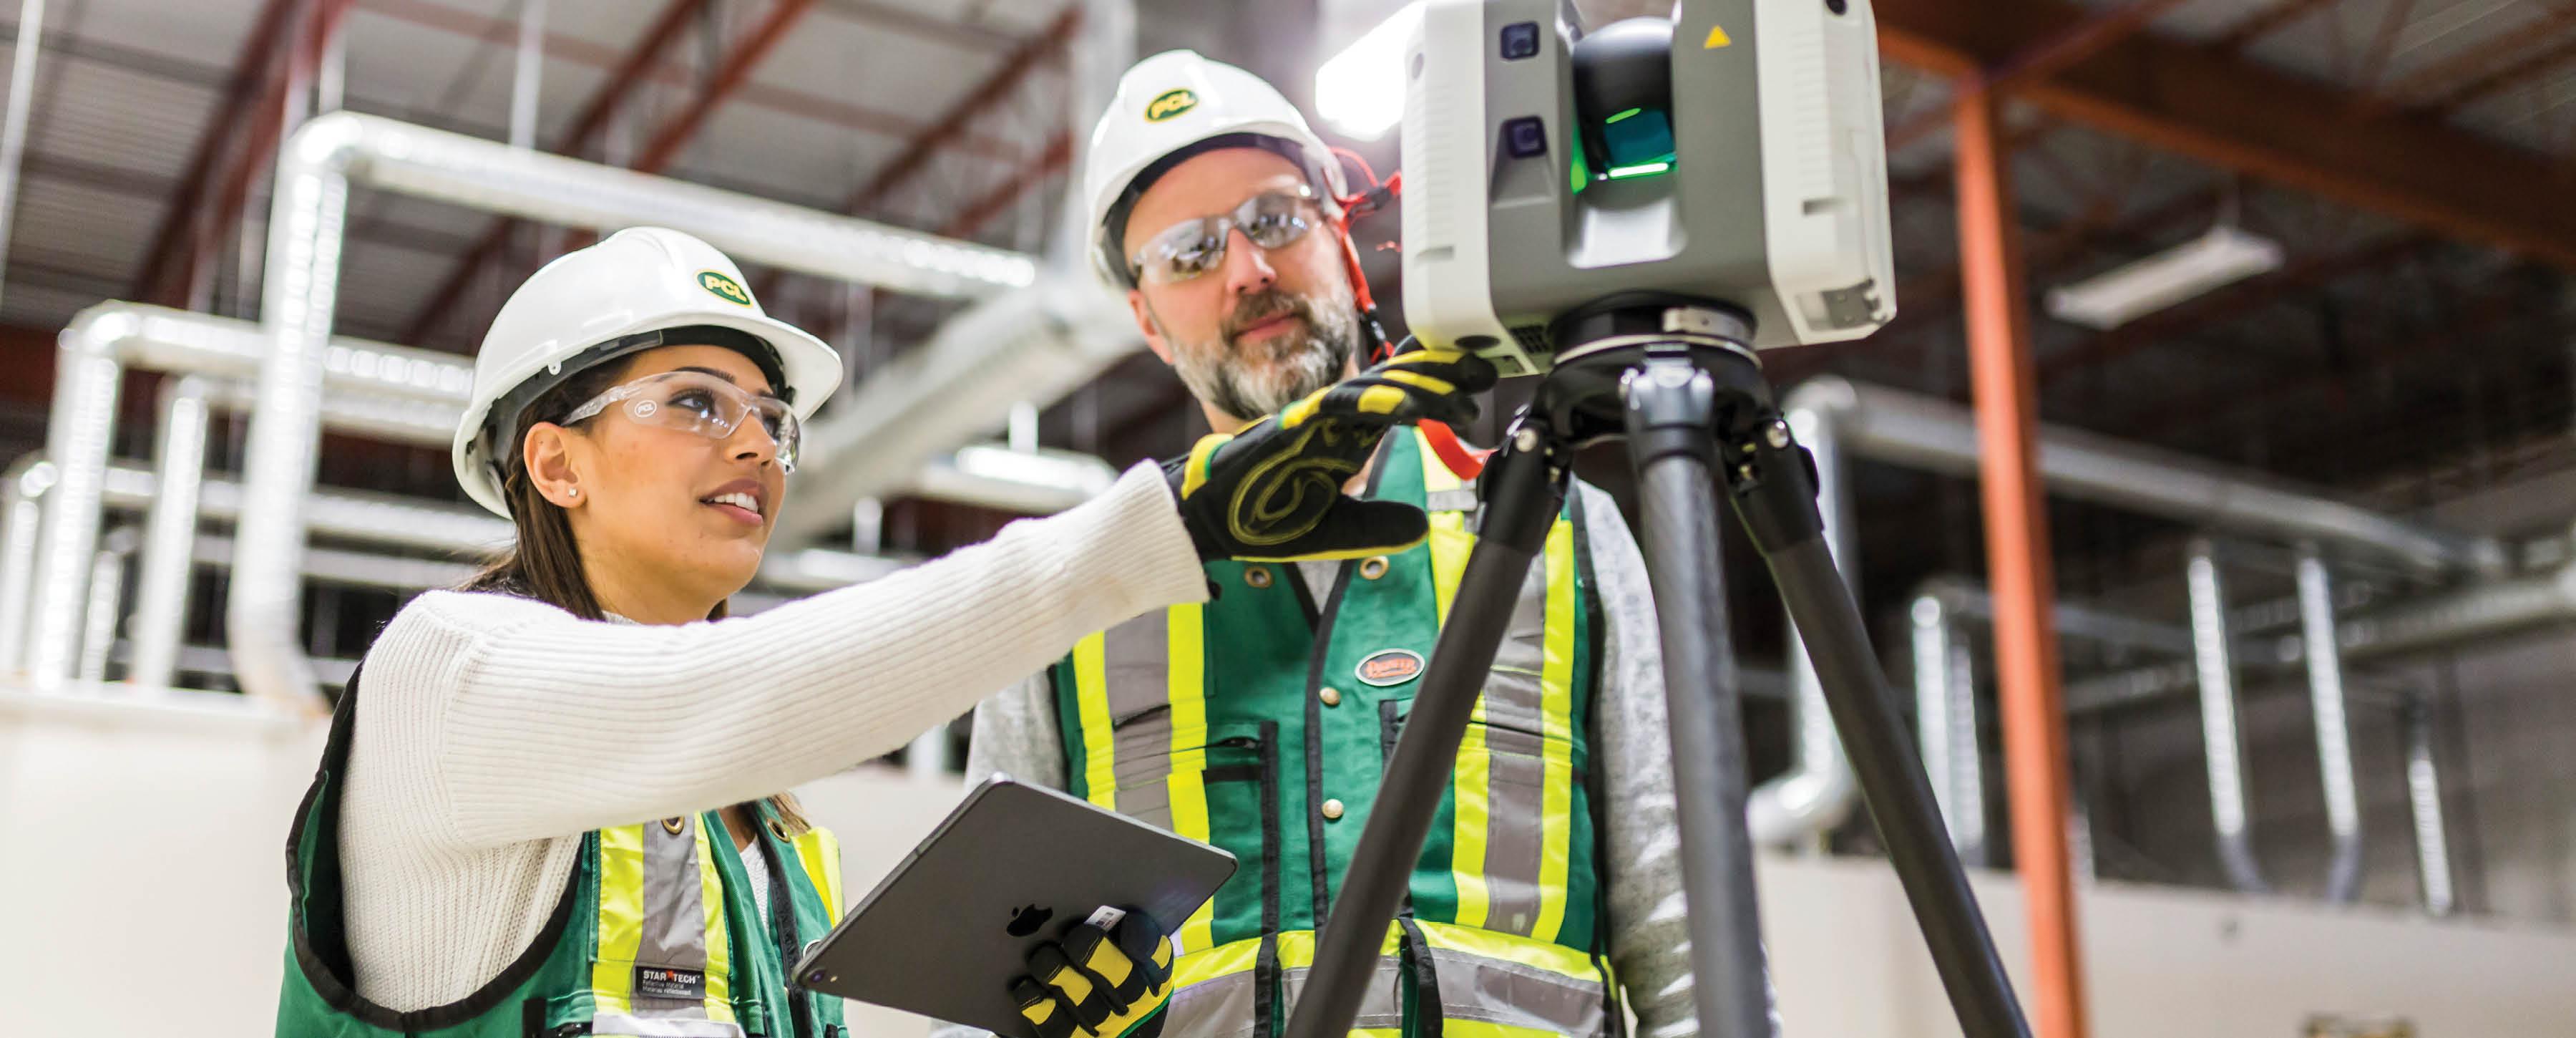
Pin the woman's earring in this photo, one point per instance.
(572, 491)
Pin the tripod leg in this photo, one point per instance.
(1672, 442)
(1776, 498)
(1521, 500)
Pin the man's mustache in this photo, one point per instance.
(1256, 309)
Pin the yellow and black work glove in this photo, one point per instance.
(1109, 976)
(1273, 492)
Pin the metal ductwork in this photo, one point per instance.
(2328, 709)
(1835, 418)
(97, 349)
(2487, 609)
(1932, 434)
(353, 516)
(1945, 721)
(308, 210)
(1036, 343)
(1819, 789)
(2223, 749)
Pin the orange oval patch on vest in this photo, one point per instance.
(1390, 667)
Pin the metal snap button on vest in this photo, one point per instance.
(1373, 567)
(1332, 810)
(779, 829)
(1257, 576)
(674, 825)
(1330, 695)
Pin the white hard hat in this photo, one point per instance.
(1168, 103)
(595, 304)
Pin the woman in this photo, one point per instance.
(560, 811)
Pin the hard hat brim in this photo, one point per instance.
(811, 370)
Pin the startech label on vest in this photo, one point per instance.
(670, 982)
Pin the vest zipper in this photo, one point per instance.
(782, 924)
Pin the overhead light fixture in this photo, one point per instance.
(2222, 257)
(1360, 91)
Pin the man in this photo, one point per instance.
(1261, 721)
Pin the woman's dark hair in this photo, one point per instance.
(545, 562)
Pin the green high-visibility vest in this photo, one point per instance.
(656, 934)
(1261, 722)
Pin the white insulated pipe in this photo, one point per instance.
(301, 282)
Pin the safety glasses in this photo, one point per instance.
(1271, 220)
(700, 403)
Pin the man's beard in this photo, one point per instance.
(1248, 381)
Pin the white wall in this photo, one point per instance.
(143, 866)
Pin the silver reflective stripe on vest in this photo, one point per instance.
(661, 1027)
(1219, 1007)
(1473, 987)
(1136, 665)
(1382, 1007)
(1516, 771)
(675, 920)
(1461, 500)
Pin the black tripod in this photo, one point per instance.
(1675, 378)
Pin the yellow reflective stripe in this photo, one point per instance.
(820, 851)
(1450, 545)
(1471, 773)
(1450, 541)
(719, 939)
(1482, 1029)
(1556, 702)
(1091, 688)
(1185, 633)
(1220, 961)
(621, 917)
(1471, 790)
(1297, 947)
(1494, 944)
(1436, 476)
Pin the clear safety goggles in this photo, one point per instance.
(700, 403)
(1271, 220)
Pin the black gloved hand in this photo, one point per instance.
(1273, 492)
(1111, 982)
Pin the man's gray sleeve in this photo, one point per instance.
(1649, 922)
(1649, 935)
(1015, 733)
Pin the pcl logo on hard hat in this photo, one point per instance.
(1170, 103)
(1390, 667)
(724, 287)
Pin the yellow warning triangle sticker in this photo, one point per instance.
(1716, 38)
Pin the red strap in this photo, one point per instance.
(1467, 462)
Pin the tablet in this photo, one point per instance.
(947, 931)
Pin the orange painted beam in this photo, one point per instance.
(2201, 102)
(2037, 778)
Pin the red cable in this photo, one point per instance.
(1464, 461)
(1467, 462)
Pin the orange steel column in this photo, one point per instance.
(2017, 559)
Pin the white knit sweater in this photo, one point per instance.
(494, 731)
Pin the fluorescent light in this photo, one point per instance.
(1360, 92)
(1638, 170)
(2221, 257)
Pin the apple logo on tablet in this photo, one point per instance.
(1027, 919)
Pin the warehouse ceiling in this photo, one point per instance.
(2412, 156)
